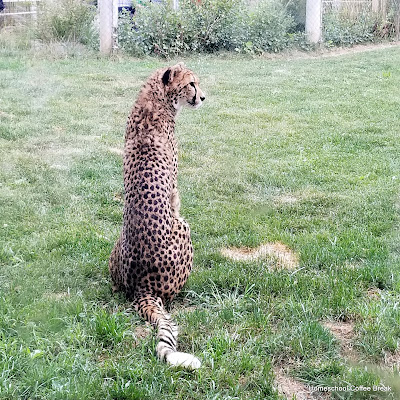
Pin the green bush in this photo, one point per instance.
(297, 9)
(214, 24)
(155, 29)
(66, 20)
(340, 29)
(209, 26)
(267, 27)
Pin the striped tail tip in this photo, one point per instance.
(186, 360)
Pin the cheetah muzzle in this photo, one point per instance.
(153, 256)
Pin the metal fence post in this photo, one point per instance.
(375, 6)
(175, 4)
(314, 20)
(106, 26)
(397, 20)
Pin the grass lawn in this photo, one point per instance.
(299, 151)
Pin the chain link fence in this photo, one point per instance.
(346, 22)
(109, 13)
(364, 19)
(336, 22)
(14, 12)
(340, 22)
(350, 7)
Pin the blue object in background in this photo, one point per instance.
(125, 5)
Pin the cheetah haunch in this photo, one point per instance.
(153, 256)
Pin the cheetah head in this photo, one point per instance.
(182, 87)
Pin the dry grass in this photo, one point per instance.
(142, 331)
(344, 334)
(116, 150)
(281, 255)
(293, 389)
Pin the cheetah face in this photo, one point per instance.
(182, 86)
(191, 95)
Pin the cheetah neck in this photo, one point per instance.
(158, 101)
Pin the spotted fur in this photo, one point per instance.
(153, 256)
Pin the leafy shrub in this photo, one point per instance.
(267, 27)
(214, 24)
(66, 20)
(155, 29)
(389, 27)
(297, 9)
(342, 29)
(299, 41)
(208, 26)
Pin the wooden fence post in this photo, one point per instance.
(106, 26)
(384, 7)
(397, 20)
(314, 20)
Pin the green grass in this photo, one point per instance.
(322, 132)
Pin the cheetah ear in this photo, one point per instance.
(166, 76)
(170, 73)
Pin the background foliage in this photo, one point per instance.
(209, 26)
(69, 20)
(341, 29)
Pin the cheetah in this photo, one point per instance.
(153, 256)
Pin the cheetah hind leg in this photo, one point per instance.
(114, 267)
(175, 203)
(152, 310)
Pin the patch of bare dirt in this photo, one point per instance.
(56, 155)
(392, 359)
(142, 331)
(352, 265)
(116, 150)
(330, 52)
(182, 309)
(57, 296)
(374, 293)
(119, 197)
(361, 48)
(4, 114)
(292, 389)
(344, 333)
(286, 199)
(281, 254)
(66, 152)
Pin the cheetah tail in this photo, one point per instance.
(152, 310)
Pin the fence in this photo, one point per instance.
(387, 12)
(108, 16)
(351, 10)
(315, 9)
(352, 7)
(16, 11)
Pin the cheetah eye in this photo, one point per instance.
(191, 84)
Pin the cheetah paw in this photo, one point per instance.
(178, 359)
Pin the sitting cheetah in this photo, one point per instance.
(153, 256)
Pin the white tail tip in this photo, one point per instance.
(178, 359)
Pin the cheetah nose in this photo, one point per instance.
(202, 98)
